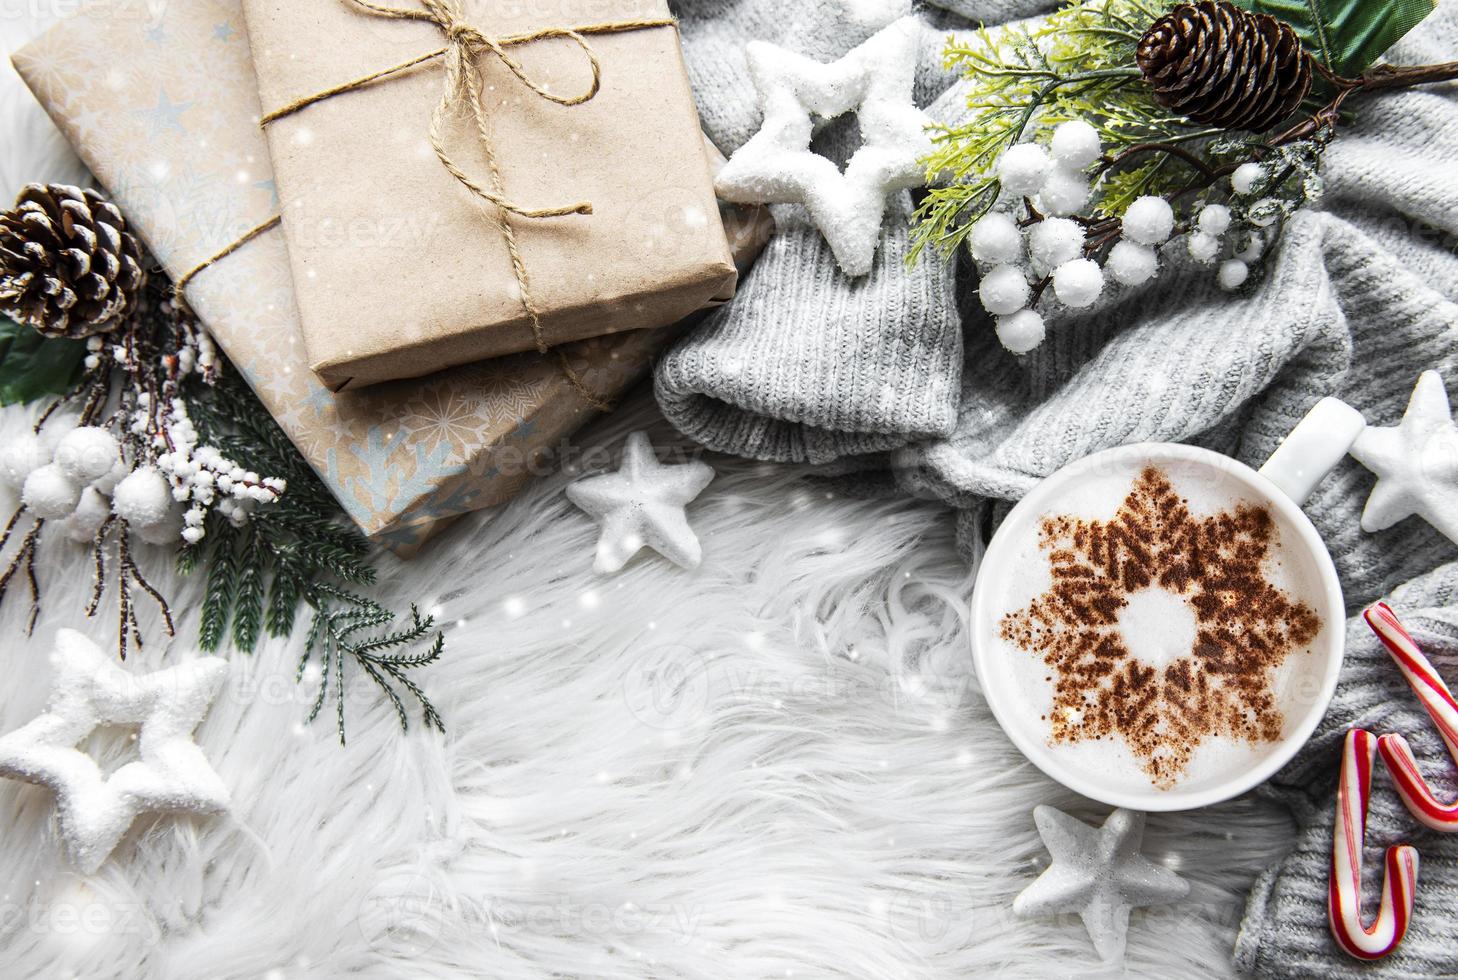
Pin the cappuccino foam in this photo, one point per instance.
(1159, 623)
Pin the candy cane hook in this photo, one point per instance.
(1399, 878)
(1437, 701)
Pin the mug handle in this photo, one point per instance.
(1314, 448)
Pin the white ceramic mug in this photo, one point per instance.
(1281, 486)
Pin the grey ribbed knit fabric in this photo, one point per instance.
(1357, 302)
(807, 365)
(1285, 931)
(811, 367)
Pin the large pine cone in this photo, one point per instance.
(68, 265)
(1223, 66)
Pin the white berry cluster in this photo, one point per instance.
(1051, 245)
(1008, 252)
(70, 480)
(82, 479)
(200, 476)
(142, 464)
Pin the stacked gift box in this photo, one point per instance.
(382, 320)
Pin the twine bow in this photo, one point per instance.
(463, 85)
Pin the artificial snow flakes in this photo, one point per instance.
(874, 80)
(1078, 283)
(1131, 264)
(1023, 169)
(1075, 144)
(1416, 462)
(1149, 221)
(642, 505)
(996, 239)
(1022, 331)
(1098, 873)
(1004, 290)
(89, 691)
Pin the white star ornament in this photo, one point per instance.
(1416, 462)
(776, 165)
(88, 691)
(1099, 873)
(642, 505)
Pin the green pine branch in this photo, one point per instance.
(339, 617)
(299, 551)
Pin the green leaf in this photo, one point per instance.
(33, 366)
(248, 596)
(1347, 36)
(222, 576)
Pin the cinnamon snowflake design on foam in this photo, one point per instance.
(1244, 627)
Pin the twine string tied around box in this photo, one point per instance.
(463, 84)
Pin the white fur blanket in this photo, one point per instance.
(776, 766)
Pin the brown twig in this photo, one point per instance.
(98, 553)
(10, 527)
(1039, 287)
(1380, 78)
(24, 559)
(157, 597)
(1109, 162)
(1034, 215)
(1383, 77)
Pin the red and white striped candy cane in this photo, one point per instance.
(1437, 701)
(1399, 878)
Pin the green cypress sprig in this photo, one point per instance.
(299, 551)
(339, 617)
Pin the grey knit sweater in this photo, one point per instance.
(1357, 302)
(807, 365)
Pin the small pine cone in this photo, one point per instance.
(1223, 66)
(68, 265)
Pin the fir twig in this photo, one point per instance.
(339, 616)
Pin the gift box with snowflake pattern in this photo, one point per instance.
(161, 104)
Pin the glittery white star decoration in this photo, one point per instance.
(875, 81)
(642, 505)
(1099, 873)
(1416, 462)
(90, 690)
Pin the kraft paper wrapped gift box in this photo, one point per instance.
(160, 102)
(364, 158)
